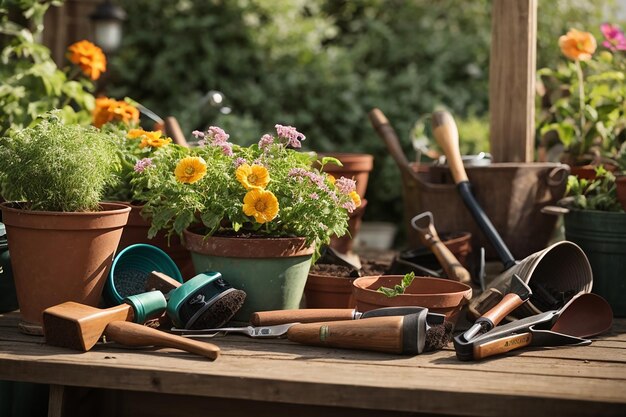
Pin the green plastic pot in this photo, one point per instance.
(141, 259)
(602, 236)
(272, 271)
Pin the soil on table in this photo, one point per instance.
(369, 267)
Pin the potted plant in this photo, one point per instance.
(596, 222)
(62, 237)
(583, 117)
(257, 214)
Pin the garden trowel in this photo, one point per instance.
(585, 315)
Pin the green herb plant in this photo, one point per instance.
(54, 166)
(597, 194)
(398, 288)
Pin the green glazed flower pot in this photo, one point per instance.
(272, 271)
(602, 236)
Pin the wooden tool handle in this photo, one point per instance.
(173, 130)
(310, 315)
(447, 136)
(380, 334)
(497, 313)
(161, 282)
(387, 133)
(132, 334)
(502, 345)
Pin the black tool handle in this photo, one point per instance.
(447, 136)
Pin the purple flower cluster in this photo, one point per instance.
(215, 136)
(291, 134)
(614, 37)
(345, 185)
(143, 164)
(239, 161)
(266, 141)
(300, 173)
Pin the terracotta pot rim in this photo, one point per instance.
(112, 207)
(434, 299)
(248, 247)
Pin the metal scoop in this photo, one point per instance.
(583, 316)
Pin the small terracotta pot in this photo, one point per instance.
(60, 256)
(136, 231)
(620, 183)
(438, 295)
(325, 291)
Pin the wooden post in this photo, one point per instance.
(512, 80)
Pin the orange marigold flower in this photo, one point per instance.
(190, 169)
(89, 58)
(110, 110)
(261, 204)
(578, 45)
(255, 176)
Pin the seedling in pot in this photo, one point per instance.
(398, 288)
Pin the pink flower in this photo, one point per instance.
(345, 185)
(227, 148)
(314, 196)
(291, 134)
(614, 37)
(143, 164)
(197, 134)
(217, 134)
(239, 161)
(266, 141)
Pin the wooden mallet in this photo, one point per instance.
(78, 326)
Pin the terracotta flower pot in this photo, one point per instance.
(60, 256)
(272, 271)
(438, 295)
(325, 291)
(136, 231)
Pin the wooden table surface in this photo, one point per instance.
(265, 377)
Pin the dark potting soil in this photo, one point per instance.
(368, 268)
(130, 282)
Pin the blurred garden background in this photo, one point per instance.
(319, 65)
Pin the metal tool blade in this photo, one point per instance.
(268, 332)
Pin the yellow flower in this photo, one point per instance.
(261, 204)
(356, 198)
(190, 169)
(578, 45)
(89, 58)
(330, 178)
(154, 140)
(255, 176)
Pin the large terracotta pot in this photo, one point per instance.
(325, 291)
(58, 256)
(136, 231)
(438, 295)
(271, 271)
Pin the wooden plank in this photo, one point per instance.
(56, 400)
(512, 80)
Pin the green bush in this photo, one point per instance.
(322, 65)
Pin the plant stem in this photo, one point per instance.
(581, 101)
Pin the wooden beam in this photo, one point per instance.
(512, 80)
